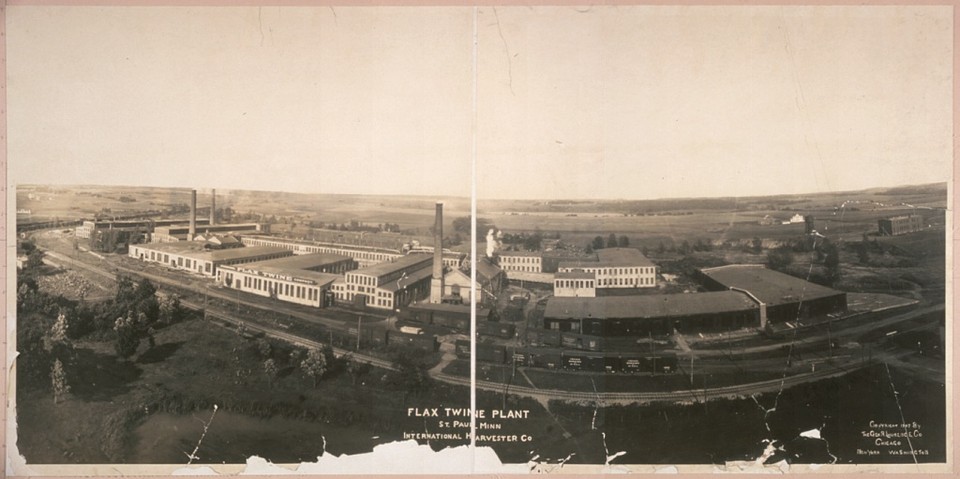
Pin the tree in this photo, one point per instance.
(756, 244)
(171, 311)
(56, 339)
(779, 258)
(645, 250)
(34, 259)
(597, 243)
(314, 365)
(612, 241)
(128, 335)
(271, 370)
(684, 247)
(831, 260)
(58, 378)
(355, 368)
(588, 249)
(661, 248)
(624, 241)
(411, 376)
(263, 346)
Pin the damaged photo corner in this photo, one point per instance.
(479, 240)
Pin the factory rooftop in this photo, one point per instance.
(771, 287)
(303, 261)
(237, 253)
(610, 258)
(290, 274)
(403, 282)
(648, 306)
(575, 275)
(622, 256)
(385, 268)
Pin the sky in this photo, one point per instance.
(603, 102)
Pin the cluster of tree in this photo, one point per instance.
(528, 241)
(462, 225)
(314, 364)
(824, 252)
(612, 241)
(127, 199)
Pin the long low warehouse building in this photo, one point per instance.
(194, 257)
(781, 297)
(304, 279)
(364, 255)
(651, 314)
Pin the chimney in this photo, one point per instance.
(436, 282)
(213, 207)
(193, 215)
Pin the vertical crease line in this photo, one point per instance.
(473, 254)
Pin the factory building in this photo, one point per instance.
(575, 284)
(780, 297)
(523, 261)
(364, 255)
(616, 268)
(387, 285)
(900, 225)
(451, 259)
(89, 228)
(175, 233)
(304, 279)
(193, 256)
(651, 314)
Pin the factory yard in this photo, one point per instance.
(709, 320)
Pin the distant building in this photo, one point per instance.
(523, 261)
(900, 225)
(174, 233)
(795, 219)
(89, 228)
(768, 220)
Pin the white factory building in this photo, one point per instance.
(364, 255)
(387, 285)
(524, 261)
(575, 284)
(616, 268)
(302, 279)
(192, 256)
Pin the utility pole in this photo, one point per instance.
(358, 332)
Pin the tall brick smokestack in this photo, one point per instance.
(213, 207)
(436, 282)
(193, 214)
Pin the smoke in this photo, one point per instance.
(493, 243)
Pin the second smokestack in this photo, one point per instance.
(193, 215)
(436, 282)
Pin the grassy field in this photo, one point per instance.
(193, 366)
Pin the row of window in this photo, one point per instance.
(519, 259)
(360, 255)
(281, 289)
(574, 283)
(528, 269)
